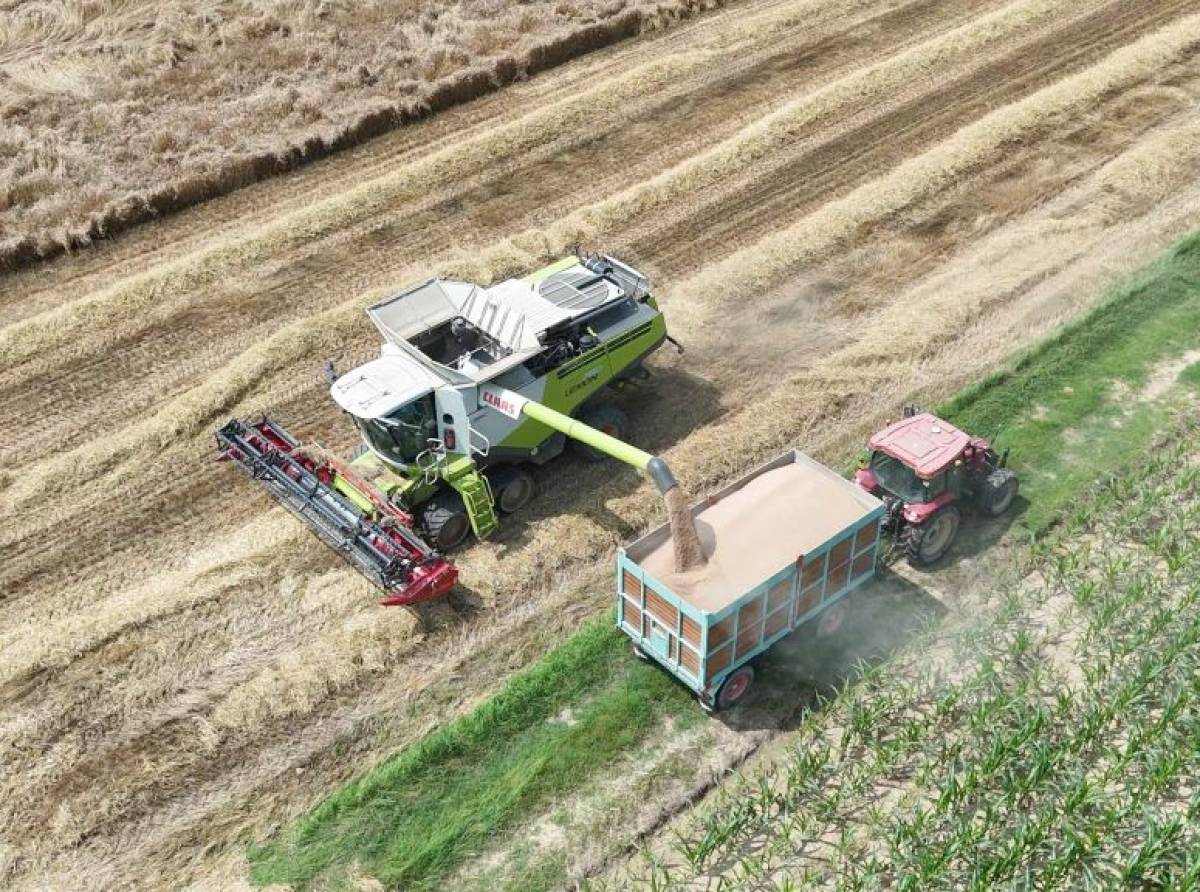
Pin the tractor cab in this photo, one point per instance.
(913, 458)
(923, 468)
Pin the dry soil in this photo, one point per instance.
(844, 205)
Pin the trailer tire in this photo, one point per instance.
(513, 488)
(831, 620)
(733, 690)
(606, 418)
(446, 522)
(928, 542)
(998, 492)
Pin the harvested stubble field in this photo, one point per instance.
(844, 205)
(116, 111)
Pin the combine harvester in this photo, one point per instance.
(472, 384)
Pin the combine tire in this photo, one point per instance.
(606, 418)
(446, 522)
(926, 543)
(998, 492)
(734, 688)
(512, 487)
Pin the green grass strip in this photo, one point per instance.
(1057, 406)
(422, 812)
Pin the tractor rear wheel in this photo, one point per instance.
(446, 521)
(512, 487)
(605, 418)
(927, 542)
(998, 492)
(734, 688)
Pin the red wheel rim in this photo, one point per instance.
(736, 687)
(831, 620)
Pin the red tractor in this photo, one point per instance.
(925, 470)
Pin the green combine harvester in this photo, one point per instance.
(472, 386)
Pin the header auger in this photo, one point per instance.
(378, 539)
(472, 385)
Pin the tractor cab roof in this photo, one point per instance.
(922, 442)
(382, 385)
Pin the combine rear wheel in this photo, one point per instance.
(446, 521)
(513, 488)
(605, 418)
(926, 543)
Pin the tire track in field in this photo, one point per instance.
(256, 305)
(167, 792)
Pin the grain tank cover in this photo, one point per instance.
(516, 313)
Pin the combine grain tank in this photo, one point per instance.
(786, 544)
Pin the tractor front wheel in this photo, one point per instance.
(605, 418)
(446, 521)
(927, 542)
(998, 492)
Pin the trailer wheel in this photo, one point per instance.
(832, 619)
(513, 488)
(734, 688)
(605, 418)
(446, 521)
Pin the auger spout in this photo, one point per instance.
(689, 554)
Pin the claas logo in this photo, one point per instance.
(508, 407)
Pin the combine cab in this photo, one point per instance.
(925, 470)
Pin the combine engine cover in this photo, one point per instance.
(379, 541)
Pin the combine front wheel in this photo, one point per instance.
(926, 543)
(446, 521)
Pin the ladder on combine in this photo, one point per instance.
(462, 474)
